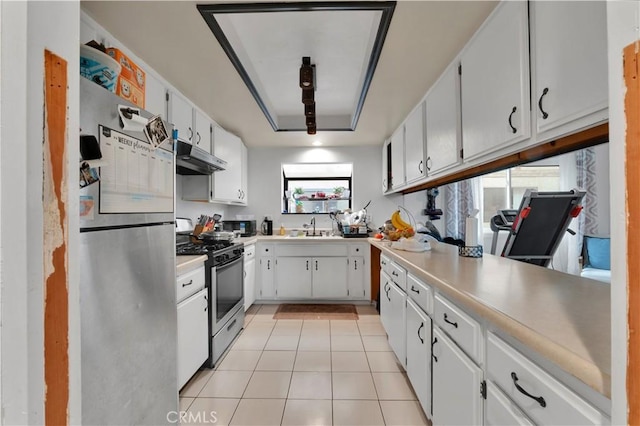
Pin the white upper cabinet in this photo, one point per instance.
(414, 145)
(569, 57)
(203, 126)
(181, 115)
(228, 183)
(495, 82)
(386, 166)
(397, 159)
(155, 96)
(443, 122)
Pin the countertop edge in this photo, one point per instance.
(583, 370)
(188, 263)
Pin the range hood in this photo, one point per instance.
(191, 160)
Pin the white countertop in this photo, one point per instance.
(564, 318)
(188, 263)
(289, 239)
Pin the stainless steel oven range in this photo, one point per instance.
(224, 274)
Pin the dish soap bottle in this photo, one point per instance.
(282, 231)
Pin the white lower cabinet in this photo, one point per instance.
(304, 271)
(311, 277)
(329, 278)
(356, 277)
(393, 304)
(293, 278)
(267, 277)
(419, 354)
(457, 382)
(193, 344)
(501, 411)
(249, 275)
(540, 396)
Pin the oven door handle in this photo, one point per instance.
(229, 263)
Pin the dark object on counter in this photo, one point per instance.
(453, 241)
(432, 211)
(247, 228)
(267, 227)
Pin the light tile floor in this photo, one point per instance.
(312, 372)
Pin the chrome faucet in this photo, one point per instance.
(313, 222)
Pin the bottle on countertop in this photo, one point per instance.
(282, 231)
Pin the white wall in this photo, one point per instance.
(623, 22)
(265, 192)
(27, 30)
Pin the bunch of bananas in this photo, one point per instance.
(397, 221)
(402, 228)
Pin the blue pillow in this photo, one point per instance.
(598, 252)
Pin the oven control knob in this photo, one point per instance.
(226, 256)
(219, 258)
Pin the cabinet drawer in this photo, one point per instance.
(399, 275)
(249, 252)
(420, 293)
(265, 250)
(385, 264)
(358, 249)
(311, 250)
(500, 410)
(189, 283)
(463, 329)
(554, 403)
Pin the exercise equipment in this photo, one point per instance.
(539, 225)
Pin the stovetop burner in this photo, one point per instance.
(198, 249)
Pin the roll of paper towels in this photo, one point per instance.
(471, 232)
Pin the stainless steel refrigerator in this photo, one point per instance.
(127, 271)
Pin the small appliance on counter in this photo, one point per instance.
(247, 228)
(267, 226)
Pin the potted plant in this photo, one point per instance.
(299, 208)
(297, 192)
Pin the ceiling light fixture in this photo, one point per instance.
(306, 73)
(308, 86)
(316, 143)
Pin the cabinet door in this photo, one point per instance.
(570, 48)
(419, 354)
(356, 277)
(397, 158)
(202, 138)
(495, 82)
(244, 160)
(329, 277)
(227, 183)
(385, 301)
(155, 96)
(293, 277)
(181, 115)
(267, 278)
(443, 123)
(500, 411)
(398, 323)
(414, 144)
(456, 384)
(386, 166)
(249, 283)
(193, 342)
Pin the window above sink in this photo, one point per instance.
(316, 188)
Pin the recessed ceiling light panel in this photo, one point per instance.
(265, 41)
